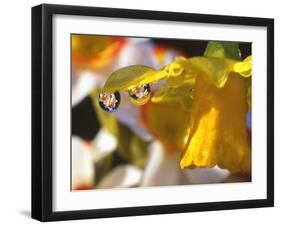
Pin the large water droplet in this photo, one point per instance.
(109, 102)
(140, 94)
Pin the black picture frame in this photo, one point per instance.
(42, 107)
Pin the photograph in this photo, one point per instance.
(159, 112)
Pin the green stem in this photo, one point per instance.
(223, 50)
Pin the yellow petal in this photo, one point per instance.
(166, 122)
(216, 69)
(128, 77)
(179, 71)
(136, 75)
(244, 68)
(217, 133)
(249, 96)
(180, 96)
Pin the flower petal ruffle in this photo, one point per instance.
(217, 134)
(180, 71)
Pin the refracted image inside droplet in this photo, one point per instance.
(140, 94)
(109, 102)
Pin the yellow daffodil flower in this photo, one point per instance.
(217, 134)
(213, 91)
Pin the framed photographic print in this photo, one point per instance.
(146, 112)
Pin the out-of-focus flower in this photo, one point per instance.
(92, 58)
(85, 154)
(85, 165)
(82, 166)
(166, 122)
(162, 169)
(123, 176)
(95, 52)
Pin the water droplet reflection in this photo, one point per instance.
(140, 94)
(109, 102)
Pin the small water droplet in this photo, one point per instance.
(140, 94)
(109, 102)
